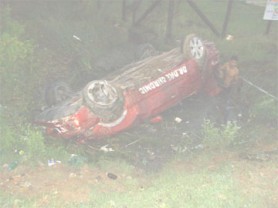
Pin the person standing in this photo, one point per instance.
(227, 76)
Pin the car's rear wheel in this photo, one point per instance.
(103, 99)
(57, 93)
(145, 51)
(193, 48)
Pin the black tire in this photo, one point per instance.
(193, 48)
(144, 51)
(103, 99)
(57, 93)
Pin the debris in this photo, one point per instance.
(26, 184)
(184, 134)
(72, 175)
(53, 162)
(141, 188)
(12, 165)
(5, 166)
(106, 149)
(112, 203)
(229, 37)
(156, 119)
(21, 152)
(178, 149)
(98, 178)
(260, 156)
(134, 142)
(77, 160)
(199, 146)
(76, 37)
(112, 176)
(178, 120)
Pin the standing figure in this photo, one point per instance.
(229, 82)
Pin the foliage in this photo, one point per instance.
(16, 65)
(170, 189)
(176, 189)
(106, 163)
(21, 142)
(265, 109)
(24, 144)
(217, 137)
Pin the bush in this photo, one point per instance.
(19, 76)
(219, 136)
(265, 109)
(27, 145)
(21, 142)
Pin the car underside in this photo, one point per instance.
(135, 93)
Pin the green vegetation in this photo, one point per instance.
(37, 46)
(177, 190)
(17, 66)
(265, 109)
(202, 188)
(23, 143)
(217, 137)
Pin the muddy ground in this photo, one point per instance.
(149, 149)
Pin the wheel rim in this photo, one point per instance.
(102, 93)
(196, 48)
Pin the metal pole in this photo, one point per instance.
(147, 12)
(135, 7)
(268, 27)
(228, 13)
(124, 10)
(203, 17)
(171, 6)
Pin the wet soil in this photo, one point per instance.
(150, 148)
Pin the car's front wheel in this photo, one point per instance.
(193, 48)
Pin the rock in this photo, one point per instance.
(178, 120)
(72, 175)
(112, 176)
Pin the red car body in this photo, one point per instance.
(134, 94)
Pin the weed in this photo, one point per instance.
(24, 143)
(16, 65)
(265, 109)
(118, 165)
(177, 189)
(210, 132)
(222, 136)
(230, 131)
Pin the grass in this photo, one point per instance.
(185, 188)
(172, 190)
(219, 137)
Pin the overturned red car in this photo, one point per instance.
(136, 93)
